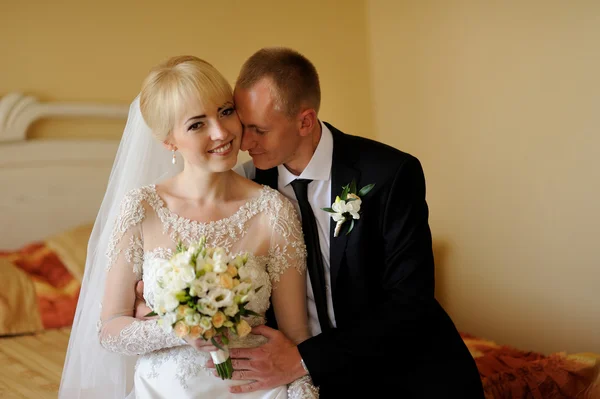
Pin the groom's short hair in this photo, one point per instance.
(295, 78)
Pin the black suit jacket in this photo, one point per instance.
(391, 332)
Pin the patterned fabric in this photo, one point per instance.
(44, 280)
(508, 372)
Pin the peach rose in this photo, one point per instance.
(181, 329)
(195, 332)
(208, 334)
(183, 310)
(232, 270)
(226, 281)
(243, 328)
(218, 319)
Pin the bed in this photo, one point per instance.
(43, 249)
(51, 192)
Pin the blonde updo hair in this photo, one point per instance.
(172, 83)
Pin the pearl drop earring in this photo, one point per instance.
(174, 161)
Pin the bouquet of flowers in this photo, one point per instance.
(202, 293)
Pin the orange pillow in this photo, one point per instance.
(44, 279)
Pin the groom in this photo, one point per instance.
(375, 323)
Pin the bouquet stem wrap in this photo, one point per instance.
(222, 362)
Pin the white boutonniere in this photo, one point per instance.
(347, 206)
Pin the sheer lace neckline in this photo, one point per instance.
(244, 209)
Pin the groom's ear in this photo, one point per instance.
(308, 120)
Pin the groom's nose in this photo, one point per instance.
(247, 142)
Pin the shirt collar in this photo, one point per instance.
(319, 167)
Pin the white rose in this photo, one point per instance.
(168, 320)
(242, 288)
(339, 206)
(231, 310)
(198, 288)
(337, 217)
(193, 319)
(243, 292)
(169, 301)
(207, 306)
(192, 249)
(244, 272)
(181, 259)
(160, 265)
(210, 280)
(220, 261)
(187, 274)
(221, 297)
(176, 284)
(354, 206)
(199, 263)
(206, 323)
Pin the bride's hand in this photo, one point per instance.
(140, 307)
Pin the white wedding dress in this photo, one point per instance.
(266, 227)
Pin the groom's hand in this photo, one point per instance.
(271, 365)
(140, 308)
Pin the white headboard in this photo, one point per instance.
(48, 186)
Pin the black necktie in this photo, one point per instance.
(314, 259)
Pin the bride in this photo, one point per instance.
(152, 203)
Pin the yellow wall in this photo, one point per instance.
(100, 51)
(501, 102)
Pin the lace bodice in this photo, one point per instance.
(266, 227)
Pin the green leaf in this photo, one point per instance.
(351, 199)
(251, 313)
(351, 227)
(328, 210)
(345, 193)
(365, 190)
(225, 339)
(180, 247)
(182, 297)
(353, 187)
(215, 343)
(153, 313)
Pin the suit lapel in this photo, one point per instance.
(342, 173)
(267, 177)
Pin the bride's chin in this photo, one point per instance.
(223, 165)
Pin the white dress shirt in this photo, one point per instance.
(319, 196)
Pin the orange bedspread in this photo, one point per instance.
(42, 280)
(507, 372)
(41, 289)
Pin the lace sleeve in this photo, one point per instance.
(287, 242)
(287, 268)
(118, 330)
(303, 388)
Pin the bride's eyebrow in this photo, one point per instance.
(196, 117)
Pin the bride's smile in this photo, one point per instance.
(222, 150)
